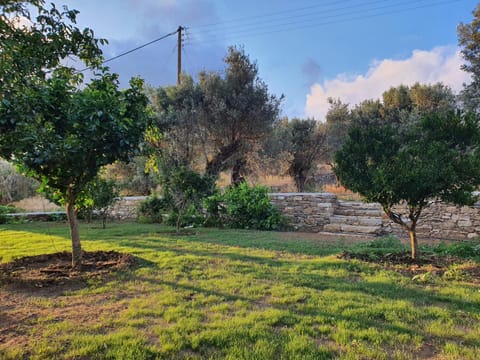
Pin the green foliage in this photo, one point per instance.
(465, 249)
(244, 207)
(29, 55)
(436, 157)
(14, 186)
(413, 162)
(304, 142)
(152, 209)
(220, 120)
(184, 191)
(97, 197)
(55, 127)
(337, 122)
(6, 210)
(469, 43)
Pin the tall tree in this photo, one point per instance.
(176, 134)
(58, 129)
(337, 122)
(469, 42)
(237, 113)
(305, 142)
(220, 119)
(437, 156)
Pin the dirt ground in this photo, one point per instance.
(26, 281)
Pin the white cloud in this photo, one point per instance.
(441, 64)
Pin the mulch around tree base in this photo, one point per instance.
(55, 270)
(426, 263)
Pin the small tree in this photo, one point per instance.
(435, 158)
(76, 132)
(184, 188)
(58, 129)
(98, 196)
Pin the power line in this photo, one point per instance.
(251, 29)
(263, 16)
(310, 23)
(264, 19)
(135, 49)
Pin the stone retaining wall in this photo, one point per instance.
(126, 207)
(444, 221)
(311, 212)
(308, 212)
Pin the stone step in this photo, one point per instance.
(358, 204)
(356, 220)
(350, 211)
(355, 229)
(349, 235)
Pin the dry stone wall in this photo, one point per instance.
(126, 207)
(319, 212)
(444, 221)
(308, 212)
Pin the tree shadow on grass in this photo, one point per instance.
(52, 274)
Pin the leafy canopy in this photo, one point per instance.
(437, 157)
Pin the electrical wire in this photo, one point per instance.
(135, 49)
(264, 19)
(252, 29)
(311, 23)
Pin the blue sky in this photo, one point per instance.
(307, 50)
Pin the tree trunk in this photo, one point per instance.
(300, 182)
(179, 221)
(236, 177)
(413, 242)
(74, 232)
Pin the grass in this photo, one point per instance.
(232, 294)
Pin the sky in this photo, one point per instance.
(306, 50)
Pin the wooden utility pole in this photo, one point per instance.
(179, 62)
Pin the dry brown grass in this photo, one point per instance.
(342, 193)
(36, 203)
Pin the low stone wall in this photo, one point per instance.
(308, 212)
(312, 212)
(444, 221)
(126, 207)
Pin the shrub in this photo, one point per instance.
(243, 207)
(152, 209)
(14, 186)
(4, 210)
(184, 191)
(99, 196)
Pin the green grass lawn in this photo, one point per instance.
(234, 294)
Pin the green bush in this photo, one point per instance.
(243, 207)
(4, 210)
(152, 209)
(98, 198)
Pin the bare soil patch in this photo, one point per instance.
(26, 280)
(434, 264)
(55, 270)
